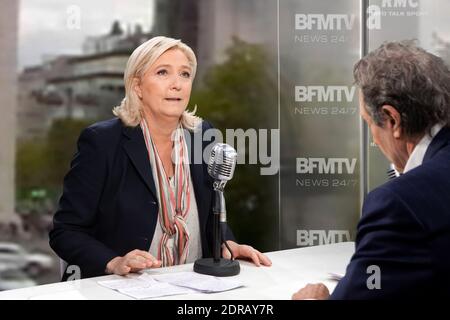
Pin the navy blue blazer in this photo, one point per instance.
(405, 231)
(109, 206)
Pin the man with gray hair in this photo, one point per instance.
(403, 238)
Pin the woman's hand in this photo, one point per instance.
(133, 261)
(243, 251)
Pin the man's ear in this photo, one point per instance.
(137, 87)
(393, 120)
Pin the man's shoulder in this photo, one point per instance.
(419, 180)
(382, 196)
(392, 199)
(421, 193)
(399, 191)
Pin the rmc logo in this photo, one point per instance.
(400, 3)
(374, 12)
(325, 165)
(324, 93)
(324, 21)
(321, 237)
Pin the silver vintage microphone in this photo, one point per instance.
(221, 168)
(222, 163)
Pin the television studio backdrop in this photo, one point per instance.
(279, 70)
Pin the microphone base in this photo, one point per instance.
(221, 268)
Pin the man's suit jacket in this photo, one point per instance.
(109, 205)
(405, 231)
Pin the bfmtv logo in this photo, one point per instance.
(324, 93)
(324, 21)
(321, 237)
(325, 165)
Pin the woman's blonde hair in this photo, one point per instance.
(130, 110)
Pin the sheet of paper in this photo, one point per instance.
(335, 276)
(146, 286)
(160, 289)
(143, 287)
(143, 281)
(200, 282)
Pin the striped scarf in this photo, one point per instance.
(173, 206)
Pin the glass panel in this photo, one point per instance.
(394, 20)
(319, 43)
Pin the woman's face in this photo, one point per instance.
(165, 87)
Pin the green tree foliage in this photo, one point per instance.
(241, 93)
(30, 164)
(41, 164)
(61, 146)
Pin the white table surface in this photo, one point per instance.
(290, 270)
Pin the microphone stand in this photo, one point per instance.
(218, 266)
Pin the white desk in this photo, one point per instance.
(290, 270)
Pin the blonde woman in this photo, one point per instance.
(131, 200)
